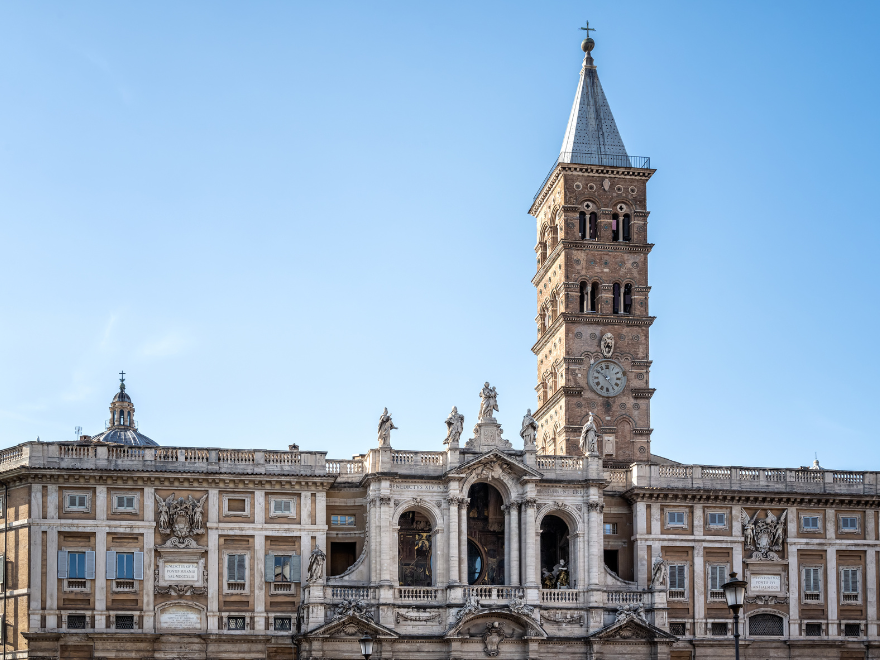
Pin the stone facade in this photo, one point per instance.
(573, 540)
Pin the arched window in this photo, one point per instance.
(555, 566)
(415, 561)
(554, 306)
(594, 226)
(615, 226)
(485, 533)
(627, 299)
(616, 296)
(766, 625)
(584, 298)
(582, 224)
(548, 318)
(594, 297)
(627, 236)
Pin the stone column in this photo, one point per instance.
(870, 586)
(149, 582)
(640, 528)
(531, 572)
(462, 540)
(101, 574)
(52, 571)
(831, 589)
(699, 589)
(514, 543)
(259, 507)
(594, 511)
(508, 579)
(794, 591)
(385, 529)
(375, 543)
(214, 567)
(35, 555)
(452, 514)
(259, 574)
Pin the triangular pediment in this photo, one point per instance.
(353, 625)
(489, 461)
(631, 629)
(533, 628)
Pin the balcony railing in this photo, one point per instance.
(588, 158)
(494, 593)
(562, 596)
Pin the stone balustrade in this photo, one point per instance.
(563, 596)
(53, 455)
(407, 594)
(642, 475)
(488, 594)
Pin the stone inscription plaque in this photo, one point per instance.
(177, 571)
(180, 617)
(766, 583)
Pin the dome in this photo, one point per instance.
(122, 396)
(125, 436)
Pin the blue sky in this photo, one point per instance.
(280, 217)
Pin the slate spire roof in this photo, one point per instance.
(591, 127)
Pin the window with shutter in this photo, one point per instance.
(717, 578)
(236, 573)
(849, 585)
(3, 570)
(812, 587)
(677, 582)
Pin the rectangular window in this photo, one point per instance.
(675, 519)
(813, 630)
(849, 585)
(235, 623)
(610, 529)
(125, 504)
(77, 621)
(283, 623)
(236, 573)
(125, 622)
(282, 507)
(717, 578)
(812, 585)
(678, 628)
(717, 519)
(282, 568)
(677, 582)
(810, 523)
(852, 630)
(342, 521)
(77, 501)
(849, 524)
(125, 566)
(718, 629)
(76, 565)
(236, 505)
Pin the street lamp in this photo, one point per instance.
(366, 646)
(735, 594)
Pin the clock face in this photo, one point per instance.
(607, 378)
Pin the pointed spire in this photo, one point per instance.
(592, 135)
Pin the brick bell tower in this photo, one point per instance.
(592, 285)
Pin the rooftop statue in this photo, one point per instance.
(454, 426)
(385, 426)
(529, 430)
(488, 403)
(589, 437)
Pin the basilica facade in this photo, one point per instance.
(564, 538)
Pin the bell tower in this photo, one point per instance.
(592, 286)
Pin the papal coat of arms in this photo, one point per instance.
(764, 536)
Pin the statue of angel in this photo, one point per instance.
(658, 573)
(316, 565)
(529, 430)
(454, 426)
(165, 512)
(198, 513)
(778, 531)
(385, 427)
(488, 402)
(589, 437)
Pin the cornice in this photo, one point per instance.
(749, 498)
(602, 319)
(179, 480)
(642, 392)
(599, 170)
(550, 261)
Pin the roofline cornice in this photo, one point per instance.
(573, 168)
(605, 319)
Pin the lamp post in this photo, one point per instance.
(735, 594)
(366, 646)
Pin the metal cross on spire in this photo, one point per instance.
(588, 29)
(122, 379)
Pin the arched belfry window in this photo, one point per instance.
(594, 226)
(582, 224)
(627, 234)
(616, 296)
(594, 297)
(615, 227)
(584, 298)
(627, 299)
